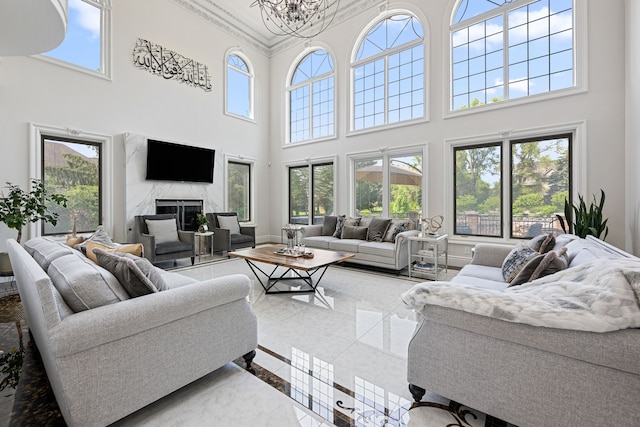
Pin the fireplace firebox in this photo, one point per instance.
(187, 211)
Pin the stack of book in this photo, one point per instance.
(423, 266)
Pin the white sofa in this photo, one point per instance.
(386, 254)
(523, 374)
(106, 362)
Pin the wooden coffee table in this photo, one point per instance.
(302, 268)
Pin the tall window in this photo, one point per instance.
(508, 49)
(239, 93)
(478, 189)
(312, 98)
(388, 73)
(87, 41)
(388, 186)
(538, 184)
(239, 189)
(311, 193)
(72, 167)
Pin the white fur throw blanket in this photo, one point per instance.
(600, 296)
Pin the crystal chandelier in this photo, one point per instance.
(298, 18)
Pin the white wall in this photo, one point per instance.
(633, 126)
(135, 101)
(601, 107)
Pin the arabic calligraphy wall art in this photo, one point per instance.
(170, 65)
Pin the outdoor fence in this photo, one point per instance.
(491, 225)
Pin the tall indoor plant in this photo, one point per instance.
(582, 221)
(21, 207)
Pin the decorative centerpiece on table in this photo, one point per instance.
(291, 230)
(432, 225)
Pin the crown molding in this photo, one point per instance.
(218, 15)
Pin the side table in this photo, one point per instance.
(426, 253)
(199, 237)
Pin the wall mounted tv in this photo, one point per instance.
(176, 162)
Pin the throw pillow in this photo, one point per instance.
(99, 236)
(329, 225)
(133, 248)
(164, 230)
(516, 260)
(551, 263)
(83, 284)
(230, 223)
(527, 270)
(396, 227)
(130, 276)
(354, 232)
(339, 224)
(378, 229)
(543, 243)
(73, 241)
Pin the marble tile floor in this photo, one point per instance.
(335, 357)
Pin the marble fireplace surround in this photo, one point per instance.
(141, 195)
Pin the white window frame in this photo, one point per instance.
(385, 154)
(578, 172)
(580, 61)
(36, 132)
(353, 64)
(252, 183)
(239, 52)
(105, 45)
(307, 51)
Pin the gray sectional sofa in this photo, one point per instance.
(106, 354)
(390, 253)
(527, 375)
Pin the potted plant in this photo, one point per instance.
(202, 222)
(582, 221)
(21, 207)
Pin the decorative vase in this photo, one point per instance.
(289, 244)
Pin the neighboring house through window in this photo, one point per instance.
(87, 42)
(72, 167)
(312, 98)
(540, 179)
(505, 49)
(388, 73)
(240, 86)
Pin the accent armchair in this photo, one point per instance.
(162, 239)
(229, 235)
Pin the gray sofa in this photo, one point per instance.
(527, 375)
(389, 254)
(107, 361)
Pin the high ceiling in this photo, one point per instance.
(244, 22)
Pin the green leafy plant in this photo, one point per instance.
(582, 221)
(202, 219)
(21, 207)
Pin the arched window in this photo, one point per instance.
(504, 49)
(239, 91)
(388, 73)
(312, 98)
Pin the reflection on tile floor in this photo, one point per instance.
(335, 357)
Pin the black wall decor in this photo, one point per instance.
(170, 65)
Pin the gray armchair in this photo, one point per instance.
(231, 236)
(164, 246)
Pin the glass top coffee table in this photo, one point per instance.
(296, 267)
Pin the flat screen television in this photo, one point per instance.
(176, 162)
